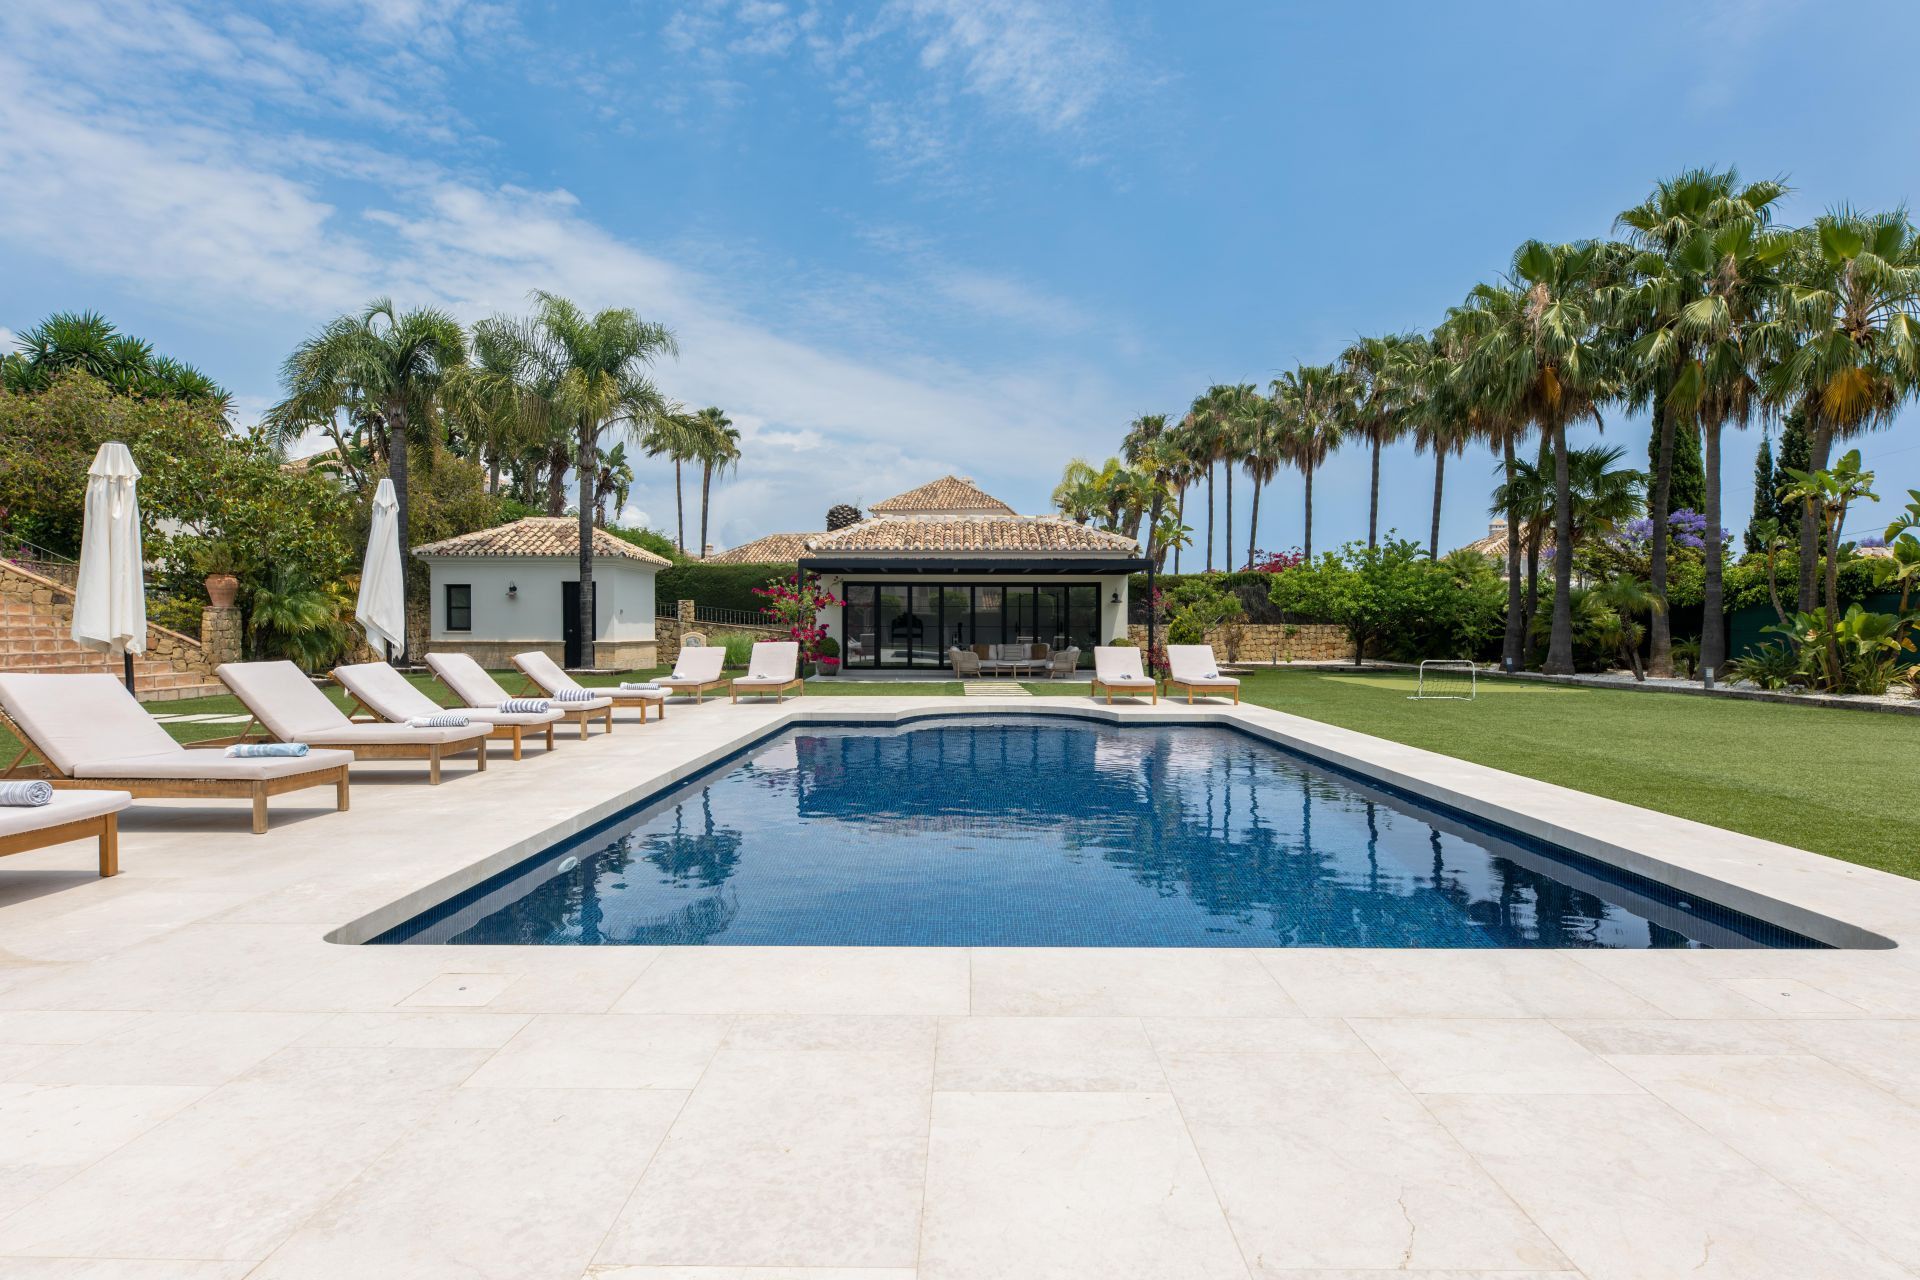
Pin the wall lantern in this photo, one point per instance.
(513, 591)
(1116, 598)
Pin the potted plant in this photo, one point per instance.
(827, 655)
(216, 563)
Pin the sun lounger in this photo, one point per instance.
(695, 671)
(70, 815)
(773, 669)
(472, 685)
(93, 735)
(1116, 668)
(548, 677)
(285, 702)
(387, 694)
(1194, 670)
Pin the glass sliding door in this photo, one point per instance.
(1020, 618)
(923, 635)
(862, 647)
(989, 611)
(1083, 619)
(956, 620)
(896, 626)
(1050, 616)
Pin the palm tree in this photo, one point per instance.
(591, 370)
(1676, 301)
(1310, 398)
(615, 480)
(1146, 444)
(1547, 353)
(717, 445)
(670, 432)
(1844, 344)
(1263, 462)
(1207, 443)
(1376, 412)
(387, 367)
(1159, 460)
(89, 342)
(1078, 495)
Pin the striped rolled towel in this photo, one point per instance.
(26, 795)
(628, 686)
(263, 750)
(574, 695)
(525, 706)
(443, 720)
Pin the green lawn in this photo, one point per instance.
(1834, 781)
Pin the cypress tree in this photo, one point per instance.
(1763, 499)
(1687, 491)
(1796, 454)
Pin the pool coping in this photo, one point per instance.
(1838, 903)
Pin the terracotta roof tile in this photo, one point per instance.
(973, 534)
(538, 536)
(775, 548)
(948, 493)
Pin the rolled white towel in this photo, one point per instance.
(263, 750)
(26, 795)
(443, 720)
(525, 706)
(629, 686)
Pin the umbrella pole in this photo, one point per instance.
(127, 658)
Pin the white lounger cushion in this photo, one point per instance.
(696, 666)
(1194, 664)
(469, 680)
(66, 806)
(1118, 665)
(283, 699)
(392, 696)
(90, 727)
(773, 662)
(546, 673)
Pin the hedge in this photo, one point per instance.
(717, 586)
(1251, 586)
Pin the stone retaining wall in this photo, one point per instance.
(1270, 642)
(36, 635)
(667, 632)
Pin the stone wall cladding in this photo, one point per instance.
(36, 635)
(1270, 643)
(667, 633)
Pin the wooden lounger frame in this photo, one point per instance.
(432, 752)
(698, 688)
(1125, 690)
(104, 826)
(255, 789)
(1203, 686)
(779, 691)
(507, 732)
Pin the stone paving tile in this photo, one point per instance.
(1046, 1054)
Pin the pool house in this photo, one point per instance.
(947, 565)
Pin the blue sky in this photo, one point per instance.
(903, 238)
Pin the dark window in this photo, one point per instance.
(459, 607)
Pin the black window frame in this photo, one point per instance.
(464, 608)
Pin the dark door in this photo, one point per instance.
(570, 638)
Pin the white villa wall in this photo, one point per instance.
(530, 618)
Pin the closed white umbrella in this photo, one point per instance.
(382, 609)
(110, 595)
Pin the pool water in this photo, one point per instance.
(1064, 833)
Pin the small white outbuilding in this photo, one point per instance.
(515, 587)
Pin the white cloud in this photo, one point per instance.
(243, 229)
(8, 341)
(1051, 63)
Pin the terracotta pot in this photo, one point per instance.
(221, 589)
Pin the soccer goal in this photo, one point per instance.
(1450, 679)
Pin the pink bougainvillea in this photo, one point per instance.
(796, 610)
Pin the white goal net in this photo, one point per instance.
(1446, 679)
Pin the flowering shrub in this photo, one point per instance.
(796, 611)
(1276, 561)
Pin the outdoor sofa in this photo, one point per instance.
(283, 701)
(390, 696)
(93, 735)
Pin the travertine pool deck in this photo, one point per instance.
(196, 1084)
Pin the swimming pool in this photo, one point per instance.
(1060, 832)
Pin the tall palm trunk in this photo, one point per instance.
(1810, 525)
(679, 511)
(1560, 640)
(1513, 652)
(1179, 518)
(397, 461)
(1439, 483)
(1209, 517)
(1307, 549)
(1373, 501)
(557, 480)
(706, 495)
(1226, 544)
(589, 474)
(1153, 527)
(1713, 617)
(1659, 631)
(1253, 523)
